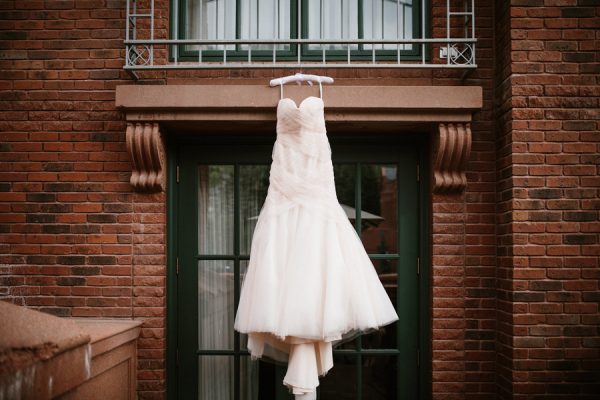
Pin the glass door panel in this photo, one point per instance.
(379, 377)
(215, 209)
(386, 336)
(218, 211)
(215, 377)
(341, 383)
(215, 305)
(379, 209)
(248, 378)
(345, 187)
(254, 183)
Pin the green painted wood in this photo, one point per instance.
(357, 227)
(408, 280)
(236, 272)
(425, 303)
(172, 305)
(188, 275)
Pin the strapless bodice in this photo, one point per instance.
(308, 117)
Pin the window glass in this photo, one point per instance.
(318, 19)
(336, 19)
(254, 183)
(379, 208)
(215, 209)
(265, 19)
(380, 377)
(388, 19)
(341, 382)
(215, 377)
(210, 19)
(258, 19)
(215, 305)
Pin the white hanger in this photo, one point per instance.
(299, 77)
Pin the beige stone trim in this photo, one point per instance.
(206, 108)
(258, 103)
(453, 147)
(146, 149)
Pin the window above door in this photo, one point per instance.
(300, 33)
(344, 20)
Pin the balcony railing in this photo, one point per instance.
(144, 51)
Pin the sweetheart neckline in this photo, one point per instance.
(298, 107)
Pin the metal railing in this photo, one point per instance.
(141, 45)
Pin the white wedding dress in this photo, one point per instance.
(309, 283)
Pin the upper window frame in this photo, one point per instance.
(186, 55)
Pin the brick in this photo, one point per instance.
(56, 229)
(41, 197)
(578, 57)
(70, 281)
(529, 342)
(101, 218)
(545, 285)
(102, 260)
(579, 125)
(70, 260)
(561, 45)
(577, 12)
(580, 216)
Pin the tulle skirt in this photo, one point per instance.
(309, 280)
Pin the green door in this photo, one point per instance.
(216, 193)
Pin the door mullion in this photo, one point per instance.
(358, 223)
(188, 278)
(408, 279)
(236, 274)
(173, 201)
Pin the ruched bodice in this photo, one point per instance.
(308, 117)
(302, 172)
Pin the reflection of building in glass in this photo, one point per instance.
(380, 238)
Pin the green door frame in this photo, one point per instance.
(356, 150)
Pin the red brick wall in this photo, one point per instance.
(548, 156)
(75, 240)
(463, 236)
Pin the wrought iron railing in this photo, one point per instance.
(456, 50)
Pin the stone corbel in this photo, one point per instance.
(146, 149)
(453, 146)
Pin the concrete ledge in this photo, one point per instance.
(113, 360)
(107, 334)
(44, 357)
